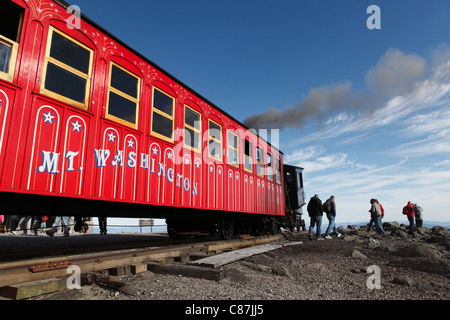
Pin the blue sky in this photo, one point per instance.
(365, 112)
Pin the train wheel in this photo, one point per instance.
(226, 228)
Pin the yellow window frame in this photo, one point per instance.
(269, 176)
(260, 151)
(233, 148)
(123, 95)
(249, 157)
(9, 76)
(199, 131)
(87, 77)
(215, 140)
(171, 118)
(278, 170)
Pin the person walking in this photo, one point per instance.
(102, 224)
(66, 221)
(408, 210)
(315, 211)
(418, 210)
(21, 225)
(2, 224)
(329, 208)
(376, 214)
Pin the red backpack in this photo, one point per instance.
(382, 210)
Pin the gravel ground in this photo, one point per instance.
(313, 270)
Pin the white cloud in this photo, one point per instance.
(413, 126)
(395, 73)
(442, 163)
(425, 96)
(393, 185)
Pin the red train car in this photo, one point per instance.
(89, 127)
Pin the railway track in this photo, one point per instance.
(36, 269)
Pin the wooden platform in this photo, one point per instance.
(33, 289)
(229, 257)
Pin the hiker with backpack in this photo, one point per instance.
(418, 214)
(408, 211)
(329, 207)
(315, 211)
(376, 213)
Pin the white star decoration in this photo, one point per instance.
(130, 143)
(48, 117)
(155, 151)
(76, 126)
(111, 137)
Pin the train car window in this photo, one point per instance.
(278, 170)
(248, 156)
(67, 70)
(215, 140)
(123, 97)
(233, 149)
(11, 18)
(192, 129)
(163, 114)
(269, 167)
(259, 161)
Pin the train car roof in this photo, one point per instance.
(65, 5)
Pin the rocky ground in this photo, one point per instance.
(410, 266)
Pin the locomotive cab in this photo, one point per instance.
(294, 197)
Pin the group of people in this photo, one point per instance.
(316, 209)
(36, 221)
(413, 212)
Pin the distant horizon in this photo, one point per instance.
(118, 228)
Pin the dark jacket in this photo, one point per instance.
(333, 208)
(315, 207)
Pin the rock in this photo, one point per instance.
(440, 232)
(436, 266)
(423, 231)
(418, 250)
(341, 230)
(393, 224)
(349, 238)
(440, 235)
(352, 227)
(281, 270)
(361, 233)
(440, 240)
(358, 255)
(399, 233)
(373, 243)
(237, 276)
(404, 281)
